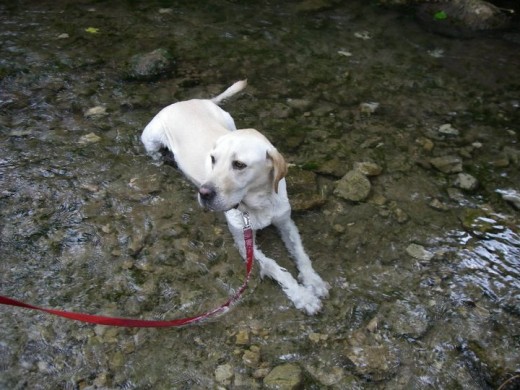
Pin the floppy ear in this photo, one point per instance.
(279, 167)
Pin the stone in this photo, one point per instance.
(407, 319)
(89, 138)
(462, 18)
(242, 337)
(426, 143)
(419, 252)
(466, 182)
(447, 164)
(251, 357)
(301, 184)
(224, 373)
(436, 204)
(353, 186)
(448, 129)
(150, 66)
(284, 377)
(368, 168)
(368, 108)
(96, 112)
(326, 376)
(334, 167)
(299, 104)
(374, 362)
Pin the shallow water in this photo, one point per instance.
(90, 223)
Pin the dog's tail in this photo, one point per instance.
(234, 89)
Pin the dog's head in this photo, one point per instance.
(242, 167)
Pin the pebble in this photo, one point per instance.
(368, 108)
(436, 204)
(353, 186)
(89, 138)
(318, 337)
(224, 373)
(465, 181)
(448, 129)
(242, 337)
(368, 168)
(426, 143)
(325, 375)
(447, 164)
(407, 319)
(299, 104)
(374, 362)
(96, 112)
(419, 252)
(150, 66)
(284, 377)
(251, 357)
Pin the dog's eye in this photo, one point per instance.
(238, 165)
(212, 160)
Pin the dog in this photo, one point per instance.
(237, 171)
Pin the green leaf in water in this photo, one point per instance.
(441, 15)
(92, 30)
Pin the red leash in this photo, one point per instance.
(127, 322)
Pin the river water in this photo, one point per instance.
(425, 270)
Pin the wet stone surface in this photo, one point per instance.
(423, 260)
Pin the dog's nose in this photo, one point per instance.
(207, 192)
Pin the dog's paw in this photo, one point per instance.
(304, 299)
(316, 284)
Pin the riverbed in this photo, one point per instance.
(424, 265)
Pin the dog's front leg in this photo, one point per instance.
(293, 242)
(302, 297)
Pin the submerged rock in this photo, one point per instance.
(375, 362)
(284, 377)
(368, 168)
(302, 186)
(465, 181)
(447, 164)
(224, 373)
(407, 319)
(96, 112)
(461, 18)
(353, 186)
(150, 66)
(448, 129)
(419, 252)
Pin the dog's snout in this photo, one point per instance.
(207, 193)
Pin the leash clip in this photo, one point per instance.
(247, 220)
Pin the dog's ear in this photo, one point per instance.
(279, 167)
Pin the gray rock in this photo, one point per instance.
(375, 362)
(96, 112)
(419, 252)
(353, 186)
(462, 18)
(368, 168)
(465, 181)
(407, 319)
(224, 373)
(302, 186)
(150, 66)
(334, 167)
(447, 164)
(284, 377)
(448, 129)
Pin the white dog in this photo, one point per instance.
(237, 171)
